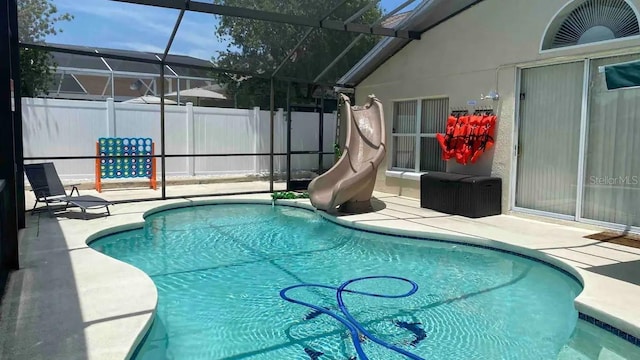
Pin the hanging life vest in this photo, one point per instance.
(466, 137)
(445, 140)
(486, 138)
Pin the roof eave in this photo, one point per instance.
(377, 49)
(354, 76)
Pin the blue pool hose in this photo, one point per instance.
(352, 324)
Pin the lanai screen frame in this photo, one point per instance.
(246, 13)
(12, 216)
(107, 72)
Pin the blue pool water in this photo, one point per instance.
(220, 269)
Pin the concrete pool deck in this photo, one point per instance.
(70, 302)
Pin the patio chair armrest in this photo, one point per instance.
(74, 187)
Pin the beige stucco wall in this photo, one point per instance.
(473, 53)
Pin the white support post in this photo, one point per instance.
(281, 128)
(191, 140)
(111, 118)
(418, 140)
(113, 85)
(256, 139)
(178, 90)
(583, 141)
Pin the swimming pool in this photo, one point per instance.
(220, 271)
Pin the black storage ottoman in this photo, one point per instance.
(298, 184)
(458, 194)
(480, 196)
(439, 191)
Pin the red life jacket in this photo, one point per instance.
(486, 139)
(466, 137)
(445, 140)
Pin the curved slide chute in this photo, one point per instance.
(350, 182)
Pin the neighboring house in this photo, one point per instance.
(94, 78)
(395, 20)
(566, 146)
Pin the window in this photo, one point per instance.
(415, 124)
(590, 21)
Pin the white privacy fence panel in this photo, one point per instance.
(279, 142)
(225, 131)
(330, 124)
(305, 137)
(54, 127)
(143, 120)
(62, 129)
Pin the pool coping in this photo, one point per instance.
(586, 310)
(134, 225)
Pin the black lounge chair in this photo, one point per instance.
(48, 188)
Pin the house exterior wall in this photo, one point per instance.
(475, 52)
(96, 85)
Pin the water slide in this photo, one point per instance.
(350, 182)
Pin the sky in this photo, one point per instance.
(108, 24)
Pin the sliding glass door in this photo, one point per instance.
(612, 171)
(549, 138)
(553, 104)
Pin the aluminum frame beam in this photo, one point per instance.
(175, 31)
(254, 14)
(9, 161)
(18, 134)
(359, 37)
(163, 65)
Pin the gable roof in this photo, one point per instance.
(396, 19)
(424, 17)
(67, 60)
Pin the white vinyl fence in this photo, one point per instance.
(54, 127)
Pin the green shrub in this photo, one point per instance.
(278, 195)
(337, 151)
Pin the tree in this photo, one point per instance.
(36, 21)
(260, 46)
